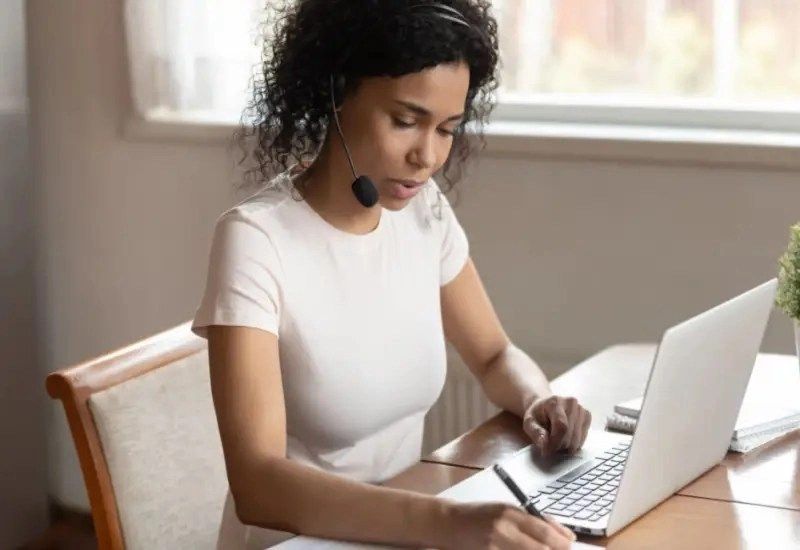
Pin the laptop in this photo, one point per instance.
(696, 386)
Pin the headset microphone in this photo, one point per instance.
(365, 191)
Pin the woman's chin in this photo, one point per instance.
(391, 203)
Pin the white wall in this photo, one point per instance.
(22, 462)
(576, 255)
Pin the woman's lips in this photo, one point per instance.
(410, 183)
(404, 189)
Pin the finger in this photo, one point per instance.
(573, 411)
(577, 431)
(587, 423)
(560, 528)
(536, 432)
(559, 424)
(515, 538)
(544, 533)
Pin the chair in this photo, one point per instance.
(143, 423)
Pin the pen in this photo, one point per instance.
(526, 502)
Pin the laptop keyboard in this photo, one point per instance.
(588, 491)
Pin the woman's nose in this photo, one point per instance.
(424, 153)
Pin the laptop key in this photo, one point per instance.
(543, 502)
(595, 517)
(580, 470)
(583, 515)
(560, 513)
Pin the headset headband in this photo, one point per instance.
(454, 15)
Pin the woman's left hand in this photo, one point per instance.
(554, 423)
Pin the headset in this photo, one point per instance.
(363, 188)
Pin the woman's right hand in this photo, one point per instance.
(498, 526)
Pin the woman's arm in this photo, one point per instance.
(270, 490)
(509, 377)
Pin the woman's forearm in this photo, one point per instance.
(513, 381)
(289, 496)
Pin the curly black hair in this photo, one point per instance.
(287, 118)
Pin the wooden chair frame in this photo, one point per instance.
(74, 385)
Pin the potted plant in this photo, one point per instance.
(788, 295)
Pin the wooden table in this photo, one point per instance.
(747, 501)
(679, 523)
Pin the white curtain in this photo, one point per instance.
(193, 59)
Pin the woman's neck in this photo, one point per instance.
(326, 187)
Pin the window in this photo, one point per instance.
(192, 60)
(711, 63)
(706, 63)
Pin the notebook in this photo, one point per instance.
(626, 424)
(305, 543)
(771, 405)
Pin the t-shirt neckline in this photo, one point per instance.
(335, 232)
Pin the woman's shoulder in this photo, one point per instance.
(263, 205)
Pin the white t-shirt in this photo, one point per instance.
(358, 320)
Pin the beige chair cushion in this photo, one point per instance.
(161, 442)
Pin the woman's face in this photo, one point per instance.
(401, 128)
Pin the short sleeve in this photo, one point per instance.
(454, 243)
(243, 278)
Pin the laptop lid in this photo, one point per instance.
(691, 401)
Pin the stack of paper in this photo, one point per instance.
(771, 405)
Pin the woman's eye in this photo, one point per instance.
(402, 123)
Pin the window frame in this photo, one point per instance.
(574, 127)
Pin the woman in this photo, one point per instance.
(326, 312)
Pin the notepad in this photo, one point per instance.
(771, 406)
(305, 543)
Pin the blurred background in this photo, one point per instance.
(641, 167)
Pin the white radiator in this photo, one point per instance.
(461, 406)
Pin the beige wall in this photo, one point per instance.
(22, 462)
(576, 255)
(124, 226)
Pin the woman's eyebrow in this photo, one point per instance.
(423, 111)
